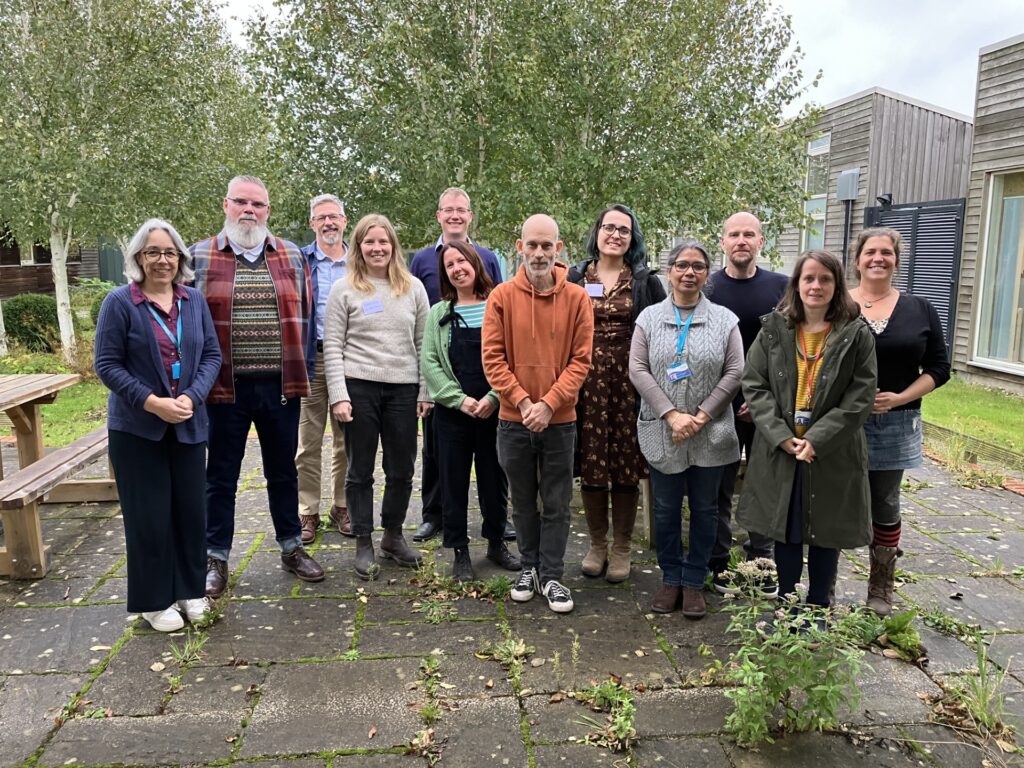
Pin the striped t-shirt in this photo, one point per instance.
(472, 314)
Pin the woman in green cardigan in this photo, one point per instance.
(465, 409)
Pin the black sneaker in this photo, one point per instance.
(725, 584)
(559, 597)
(526, 585)
(462, 567)
(767, 586)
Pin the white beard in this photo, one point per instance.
(245, 235)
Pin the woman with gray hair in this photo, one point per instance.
(685, 360)
(157, 352)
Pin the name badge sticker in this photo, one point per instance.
(373, 307)
(802, 419)
(680, 370)
(176, 370)
(595, 290)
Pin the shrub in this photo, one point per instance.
(31, 321)
(94, 310)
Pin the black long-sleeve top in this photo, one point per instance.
(911, 344)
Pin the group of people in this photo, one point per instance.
(595, 371)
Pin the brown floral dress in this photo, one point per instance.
(610, 454)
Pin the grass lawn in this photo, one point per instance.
(986, 414)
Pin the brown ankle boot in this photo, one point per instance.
(595, 505)
(623, 518)
(880, 582)
(393, 546)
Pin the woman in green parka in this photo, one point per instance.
(809, 381)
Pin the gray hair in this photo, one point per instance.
(247, 180)
(321, 199)
(687, 245)
(459, 191)
(133, 271)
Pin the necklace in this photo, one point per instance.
(868, 303)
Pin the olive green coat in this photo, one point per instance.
(836, 498)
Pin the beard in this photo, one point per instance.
(246, 234)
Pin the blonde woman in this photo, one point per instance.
(373, 334)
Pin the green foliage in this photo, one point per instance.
(792, 664)
(31, 321)
(950, 625)
(895, 632)
(671, 106)
(988, 414)
(976, 701)
(191, 650)
(618, 731)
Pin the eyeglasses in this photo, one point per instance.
(698, 267)
(611, 229)
(328, 217)
(450, 211)
(242, 202)
(155, 254)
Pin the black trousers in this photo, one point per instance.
(162, 487)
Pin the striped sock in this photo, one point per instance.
(886, 535)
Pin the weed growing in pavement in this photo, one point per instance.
(511, 653)
(895, 633)
(436, 610)
(191, 651)
(574, 650)
(789, 659)
(975, 702)
(618, 731)
(913, 486)
(498, 587)
(423, 745)
(951, 626)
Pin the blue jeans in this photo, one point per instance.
(539, 463)
(257, 401)
(700, 485)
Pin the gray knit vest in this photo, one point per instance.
(714, 445)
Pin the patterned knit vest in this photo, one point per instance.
(255, 324)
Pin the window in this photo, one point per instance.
(10, 255)
(1000, 337)
(816, 187)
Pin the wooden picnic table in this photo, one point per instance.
(41, 477)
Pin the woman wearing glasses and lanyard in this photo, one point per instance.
(157, 352)
(685, 360)
(621, 286)
(810, 383)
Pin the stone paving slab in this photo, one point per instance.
(420, 639)
(482, 733)
(58, 639)
(128, 685)
(28, 705)
(994, 603)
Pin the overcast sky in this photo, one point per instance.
(925, 49)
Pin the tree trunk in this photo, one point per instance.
(59, 242)
(3, 333)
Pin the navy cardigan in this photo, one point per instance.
(127, 360)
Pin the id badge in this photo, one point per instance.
(680, 370)
(802, 419)
(176, 370)
(595, 290)
(373, 307)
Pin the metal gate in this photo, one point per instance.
(930, 262)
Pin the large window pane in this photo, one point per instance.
(817, 174)
(1001, 315)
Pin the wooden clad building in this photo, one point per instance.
(31, 273)
(902, 150)
(988, 344)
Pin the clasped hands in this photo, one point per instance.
(478, 409)
(800, 449)
(173, 410)
(684, 425)
(536, 416)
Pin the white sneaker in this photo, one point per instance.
(195, 609)
(559, 597)
(526, 585)
(167, 620)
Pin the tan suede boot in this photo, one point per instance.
(623, 518)
(595, 505)
(880, 581)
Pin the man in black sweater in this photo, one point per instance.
(750, 292)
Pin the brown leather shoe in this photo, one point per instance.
(339, 516)
(694, 606)
(216, 577)
(667, 599)
(302, 565)
(310, 523)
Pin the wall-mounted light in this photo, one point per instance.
(885, 199)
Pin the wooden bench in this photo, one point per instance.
(24, 555)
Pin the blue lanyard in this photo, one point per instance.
(174, 340)
(684, 330)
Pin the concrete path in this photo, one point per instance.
(329, 675)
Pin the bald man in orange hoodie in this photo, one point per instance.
(536, 347)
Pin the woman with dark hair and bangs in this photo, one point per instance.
(809, 382)
(621, 286)
(466, 409)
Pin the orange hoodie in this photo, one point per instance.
(537, 344)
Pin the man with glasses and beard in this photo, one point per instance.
(326, 258)
(258, 289)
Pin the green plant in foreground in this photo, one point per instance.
(951, 626)
(191, 651)
(790, 660)
(618, 731)
(976, 702)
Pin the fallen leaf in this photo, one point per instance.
(373, 732)
(556, 697)
(640, 652)
(892, 653)
(489, 684)
(158, 666)
(100, 648)
(363, 599)
(537, 662)
(1005, 746)
(230, 739)
(447, 685)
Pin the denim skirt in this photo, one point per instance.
(894, 440)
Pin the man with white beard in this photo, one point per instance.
(258, 289)
(326, 257)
